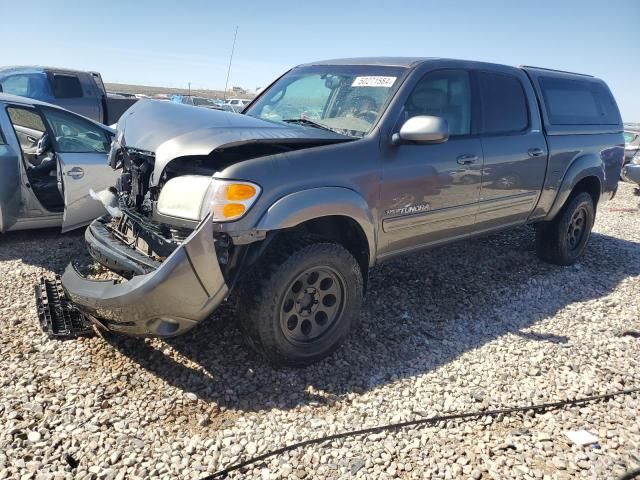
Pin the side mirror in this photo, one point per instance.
(422, 129)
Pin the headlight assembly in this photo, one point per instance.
(192, 197)
(185, 197)
(231, 200)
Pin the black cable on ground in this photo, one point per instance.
(424, 421)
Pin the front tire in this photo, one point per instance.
(301, 301)
(564, 240)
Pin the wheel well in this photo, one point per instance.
(343, 230)
(591, 185)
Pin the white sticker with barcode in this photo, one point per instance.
(373, 81)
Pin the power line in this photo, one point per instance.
(424, 421)
(233, 47)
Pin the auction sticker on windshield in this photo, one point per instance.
(373, 81)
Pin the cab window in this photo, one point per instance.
(504, 104)
(445, 94)
(66, 86)
(32, 85)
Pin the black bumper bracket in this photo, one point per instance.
(59, 318)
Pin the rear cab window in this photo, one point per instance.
(66, 86)
(504, 107)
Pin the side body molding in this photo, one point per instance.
(298, 207)
(584, 166)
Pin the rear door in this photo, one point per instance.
(81, 149)
(515, 150)
(9, 173)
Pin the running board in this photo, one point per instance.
(58, 317)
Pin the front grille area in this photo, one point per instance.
(137, 227)
(133, 184)
(145, 237)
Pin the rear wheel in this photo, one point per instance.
(563, 240)
(301, 301)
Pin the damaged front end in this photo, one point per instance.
(173, 296)
(171, 274)
(176, 267)
(162, 298)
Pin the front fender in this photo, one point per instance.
(582, 167)
(296, 208)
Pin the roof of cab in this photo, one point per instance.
(37, 69)
(378, 61)
(411, 62)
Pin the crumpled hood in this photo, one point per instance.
(171, 130)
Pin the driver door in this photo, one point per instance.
(430, 192)
(81, 149)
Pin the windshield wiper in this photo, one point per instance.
(310, 123)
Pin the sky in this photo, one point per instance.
(172, 43)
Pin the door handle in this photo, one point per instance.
(535, 152)
(76, 173)
(467, 159)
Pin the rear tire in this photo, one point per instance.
(563, 240)
(301, 301)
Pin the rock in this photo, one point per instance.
(115, 456)
(559, 463)
(356, 465)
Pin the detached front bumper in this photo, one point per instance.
(181, 292)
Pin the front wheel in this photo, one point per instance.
(563, 240)
(301, 302)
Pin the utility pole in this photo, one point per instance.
(233, 47)
(189, 89)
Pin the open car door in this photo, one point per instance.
(81, 147)
(9, 174)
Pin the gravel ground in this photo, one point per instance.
(475, 325)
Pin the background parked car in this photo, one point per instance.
(49, 160)
(237, 104)
(192, 100)
(77, 91)
(631, 168)
(229, 108)
(631, 143)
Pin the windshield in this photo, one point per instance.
(346, 99)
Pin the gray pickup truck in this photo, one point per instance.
(77, 91)
(336, 166)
